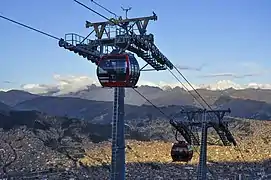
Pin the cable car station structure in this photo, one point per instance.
(117, 68)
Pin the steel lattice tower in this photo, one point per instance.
(215, 120)
(118, 138)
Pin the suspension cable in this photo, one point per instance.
(104, 8)
(156, 107)
(110, 20)
(185, 87)
(34, 29)
(91, 10)
(192, 87)
(196, 99)
(86, 37)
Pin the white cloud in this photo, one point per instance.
(221, 85)
(181, 67)
(5, 90)
(63, 85)
(260, 86)
(66, 84)
(233, 75)
(166, 85)
(225, 84)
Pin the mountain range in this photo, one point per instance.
(93, 103)
(161, 96)
(170, 96)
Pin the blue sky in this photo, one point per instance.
(225, 36)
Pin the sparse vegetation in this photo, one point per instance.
(48, 144)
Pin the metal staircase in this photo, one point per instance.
(185, 132)
(195, 132)
(224, 134)
(228, 134)
(79, 45)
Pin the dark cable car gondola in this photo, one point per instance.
(118, 70)
(181, 151)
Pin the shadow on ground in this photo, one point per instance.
(161, 171)
(155, 170)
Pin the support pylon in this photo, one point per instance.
(118, 137)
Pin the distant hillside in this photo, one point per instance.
(101, 112)
(245, 108)
(94, 111)
(13, 97)
(96, 93)
(175, 96)
(36, 121)
(4, 107)
(170, 96)
(253, 94)
(172, 100)
(67, 106)
(156, 129)
(160, 96)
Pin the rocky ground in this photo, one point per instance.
(151, 160)
(148, 159)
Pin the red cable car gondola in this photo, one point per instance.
(181, 151)
(118, 70)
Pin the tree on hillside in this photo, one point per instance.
(10, 142)
(63, 140)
